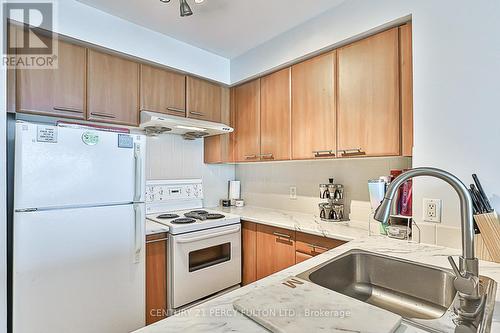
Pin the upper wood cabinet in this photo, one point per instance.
(247, 122)
(275, 250)
(55, 92)
(313, 108)
(406, 65)
(163, 91)
(368, 92)
(203, 100)
(113, 89)
(275, 116)
(219, 148)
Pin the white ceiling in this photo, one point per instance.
(225, 27)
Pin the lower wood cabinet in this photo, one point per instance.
(267, 250)
(156, 277)
(300, 257)
(275, 250)
(308, 246)
(249, 252)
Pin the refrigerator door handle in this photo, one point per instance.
(138, 173)
(138, 233)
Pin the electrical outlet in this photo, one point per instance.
(293, 192)
(432, 210)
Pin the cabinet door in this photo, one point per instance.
(300, 257)
(219, 148)
(275, 116)
(249, 252)
(313, 245)
(55, 92)
(203, 100)
(113, 89)
(275, 250)
(156, 278)
(406, 65)
(368, 107)
(247, 122)
(163, 91)
(313, 108)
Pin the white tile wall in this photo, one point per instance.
(172, 157)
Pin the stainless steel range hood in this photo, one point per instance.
(157, 123)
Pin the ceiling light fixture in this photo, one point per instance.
(184, 6)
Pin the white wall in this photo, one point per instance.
(456, 70)
(3, 208)
(268, 184)
(171, 157)
(88, 24)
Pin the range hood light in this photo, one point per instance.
(191, 128)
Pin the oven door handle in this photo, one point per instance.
(208, 236)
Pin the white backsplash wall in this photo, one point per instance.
(172, 157)
(268, 184)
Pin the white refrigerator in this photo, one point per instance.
(78, 239)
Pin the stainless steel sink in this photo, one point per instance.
(421, 294)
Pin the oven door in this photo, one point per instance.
(203, 263)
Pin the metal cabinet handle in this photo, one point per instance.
(250, 157)
(269, 156)
(103, 115)
(176, 110)
(201, 114)
(323, 153)
(66, 109)
(314, 247)
(352, 152)
(280, 235)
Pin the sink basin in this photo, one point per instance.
(421, 294)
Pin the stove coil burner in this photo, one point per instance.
(167, 216)
(184, 221)
(203, 215)
(214, 216)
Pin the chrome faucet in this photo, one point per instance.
(470, 302)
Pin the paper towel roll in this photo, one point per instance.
(234, 190)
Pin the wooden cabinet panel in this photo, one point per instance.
(113, 89)
(313, 107)
(275, 116)
(203, 100)
(163, 91)
(249, 252)
(406, 70)
(156, 277)
(368, 95)
(275, 250)
(56, 92)
(219, 148)
(300, 257)
(313, 245)
(247, 122)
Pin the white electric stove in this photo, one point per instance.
(204, 253)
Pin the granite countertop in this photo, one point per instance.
(218, 315)
(155, 228)
(308, 223)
